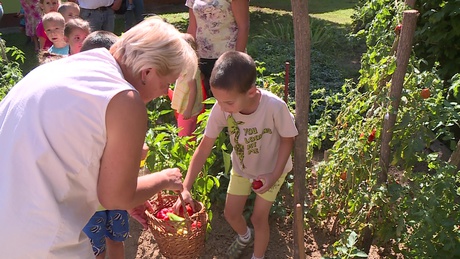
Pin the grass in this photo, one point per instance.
(269, 18)
(337, 11)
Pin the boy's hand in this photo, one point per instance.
(187, 199)
(268, 180)
(138, 213)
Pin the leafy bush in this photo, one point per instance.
(11, 73)
(416, 208)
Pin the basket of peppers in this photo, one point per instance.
(180, 235)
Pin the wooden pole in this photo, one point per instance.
(302, 98)
(410, 3)
(300, 222)
(397, 81)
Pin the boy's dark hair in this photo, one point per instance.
(234, 70)
(76, 23)
(99, 39)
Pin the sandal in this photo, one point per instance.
(236, 248)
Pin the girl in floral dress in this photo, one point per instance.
(32, 15)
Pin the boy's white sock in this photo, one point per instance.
(246, 237)
(254, 257)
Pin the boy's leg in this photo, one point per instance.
(259, 219)
(238, 190)
(233, 212)
(115, 249)
(95, 229)
(117, 232)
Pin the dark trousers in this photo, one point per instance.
(206, 66)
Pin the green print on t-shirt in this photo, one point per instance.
(251, 141)
(234, 130)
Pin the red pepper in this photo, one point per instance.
(371, 136)
(188, 208)
(196, 224)
(162, 214)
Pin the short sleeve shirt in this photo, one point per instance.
(255, 137)
(216, 30)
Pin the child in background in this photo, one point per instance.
(22, 21)
(69, 10)
(76, 30)
(54, 24)
(130, 6)
(262, 132)
(187, 99)
(46, 7)
(99, 39)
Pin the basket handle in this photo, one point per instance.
(186, 216)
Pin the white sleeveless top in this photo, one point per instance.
(52, 136)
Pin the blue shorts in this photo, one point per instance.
(103, 224)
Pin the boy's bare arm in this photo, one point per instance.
(285, 149)
(198, 160)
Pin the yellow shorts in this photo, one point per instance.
(242, 186)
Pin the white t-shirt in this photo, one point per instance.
(216, 30)
(52, 136)
(93, 4)
(255, 137)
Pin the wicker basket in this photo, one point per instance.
(172, 240)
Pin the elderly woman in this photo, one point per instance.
(71, 135)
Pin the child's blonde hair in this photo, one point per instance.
(53, 17)
(67, 5)
(76, 23)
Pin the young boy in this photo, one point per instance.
(99, 39)
(76, 30)
(69, 10)
(53, 23)
(262, 132)
(46, 7)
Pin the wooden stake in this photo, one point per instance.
(302, 41)
(299, 224)
(397, 81)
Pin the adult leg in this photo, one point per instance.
(95, 18)
(206, 66)
(108, 20)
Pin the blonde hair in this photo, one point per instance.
(53, 17)
(76, 23)
(68, 5)
(154, 43)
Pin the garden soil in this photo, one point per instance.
(141, 244)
